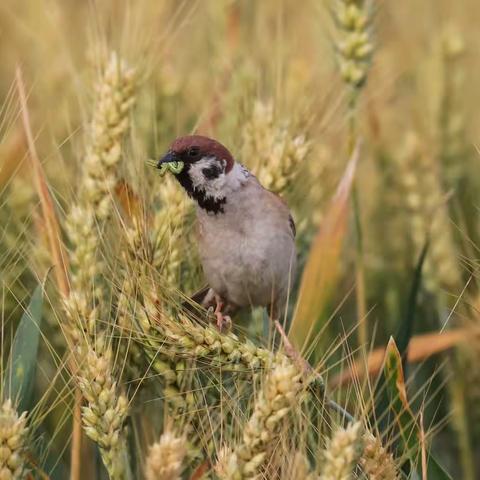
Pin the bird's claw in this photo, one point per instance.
(223, 321)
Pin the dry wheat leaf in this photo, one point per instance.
(321, 270)
(421, 347)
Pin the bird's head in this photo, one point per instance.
(205, 169)
(203, 158)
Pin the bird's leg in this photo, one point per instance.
(222, 319)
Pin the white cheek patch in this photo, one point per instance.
(199, 180)
(223, 184)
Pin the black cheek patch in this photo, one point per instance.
(209, 204)
(212, 172)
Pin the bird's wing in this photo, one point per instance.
(202, 296)
(291, 222)
(279, 205)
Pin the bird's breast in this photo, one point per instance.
(248, 252)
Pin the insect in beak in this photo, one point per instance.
(167, 162)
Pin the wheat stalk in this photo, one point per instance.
(110, 122)
(354, 50)
(106, 408)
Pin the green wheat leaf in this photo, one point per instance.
(20, 372)
(406, 421)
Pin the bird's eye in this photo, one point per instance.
(193, 151)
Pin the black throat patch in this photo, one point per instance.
(207, 203)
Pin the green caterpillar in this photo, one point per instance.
(174, 167)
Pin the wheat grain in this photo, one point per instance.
(272, 148)
(354, 46)
(110, 122)
(165, 458)
(376, 462)
(452, 122)
(13, 432)
(273, 403)
(300, 468)
(106, 410)
(342, 453)
(168, 231)
(426, 215)
(115, 98)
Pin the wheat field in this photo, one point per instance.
(361, 115)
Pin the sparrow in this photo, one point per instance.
(246, 234)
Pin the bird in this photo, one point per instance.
(245, 233)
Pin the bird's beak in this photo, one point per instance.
(170, 161)
(169, 157)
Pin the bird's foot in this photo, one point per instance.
(222, 320)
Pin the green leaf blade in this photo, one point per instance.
(19, 376)
(406, 421)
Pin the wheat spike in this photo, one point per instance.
(106, 410)
(110, 121)
(278, 152)
(272, 405)
(376, 462)
(342, 453)
(165, 458)
(354, 46)
(13, 432)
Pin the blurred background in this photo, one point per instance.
(287, 88)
